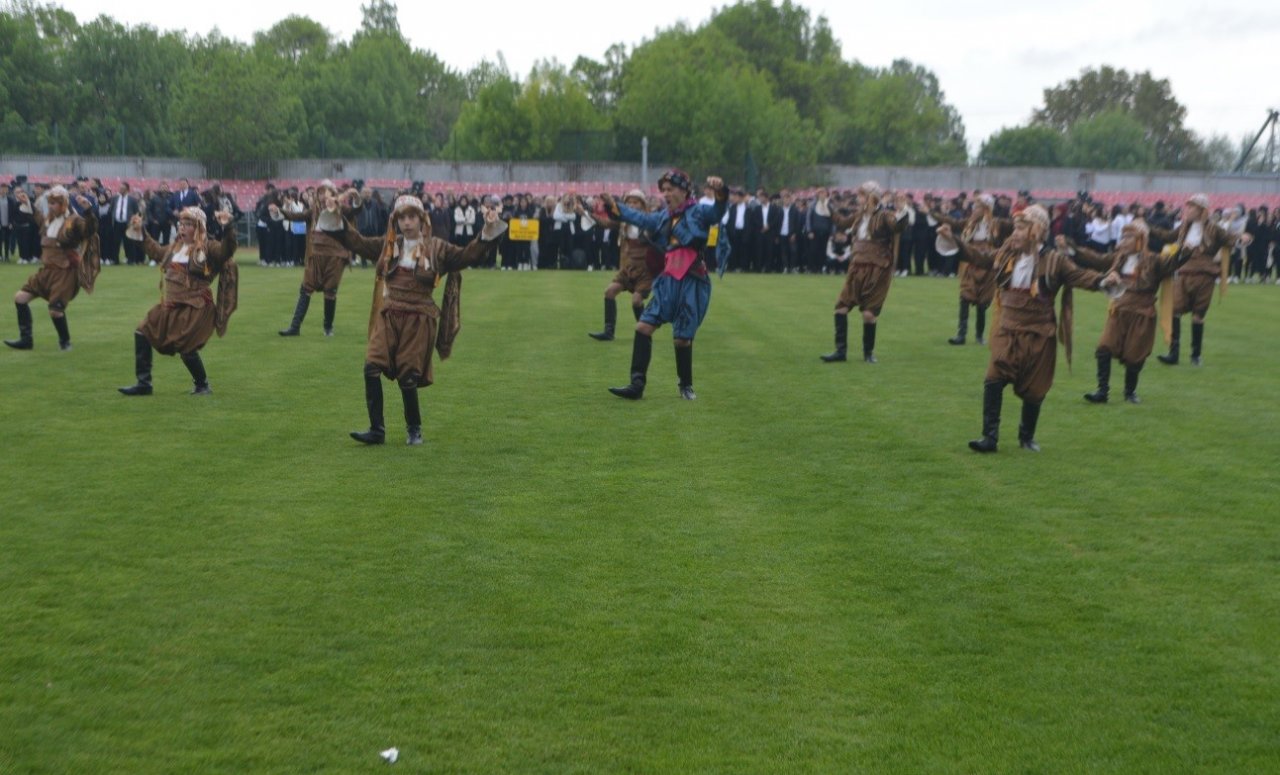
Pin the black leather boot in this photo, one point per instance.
(1027, 430)
(141, 367)
(684, 370)
(963, 328)
(980, 324)
(1171, 359)
(641, 352)
(842, 341)
(299, 313)
(869, 342)
(24, 340)
(992, 399)
(1131, 384)
(198, 376)
(377, 433)
(610, 321)
(64, 333)
(1100, 395)
(637, 311)
(330, 307)
(1197, 339)
(412, 416)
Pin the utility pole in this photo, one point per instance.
(644, 162)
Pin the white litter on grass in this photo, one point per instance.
(391, 754)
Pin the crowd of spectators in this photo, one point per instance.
(781, 232)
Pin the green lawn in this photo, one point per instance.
(805, 570)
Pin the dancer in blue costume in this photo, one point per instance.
(682, 292)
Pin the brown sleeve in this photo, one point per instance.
(842, 222)
(82, 228)
(220, 252)
(1070, 273)
(957, 225)
(1164, 235)
(368, 248)
(451, 258)
(305, 215)
(153, 249)
(984, 258)
(1092, 259)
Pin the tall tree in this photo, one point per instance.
(702, 102)
(1148, 100)
(220, 113)
(1025, 146)
(1113, 140)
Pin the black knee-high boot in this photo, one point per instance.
(1131, 384)
(1100, 395)
(684, 370)
(869, 342)
(1027, 430)
(64, 333)
(641, 352)
(610, 321)
(842, 341)
(992, 400)
(963, 328)
(980, 324)
(299, 313)
(412, 416)
(141, 367)
(1176, 335)
(1197, 339)
(637, 310)
(330, 307)
(198, 376)
(377, 433)
(24, 340)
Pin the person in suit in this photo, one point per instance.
(122, 207)
(787, 220)
(185, 196)
(764, 232)
(8, 232)
(738, 226)
(817, 229)
(159, 220)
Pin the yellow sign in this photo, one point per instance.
(713, 236)
(523, 230)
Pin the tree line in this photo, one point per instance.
(761, 87)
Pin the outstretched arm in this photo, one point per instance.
(221, 251)
(368, 248)
(453, 258)
(153, 250)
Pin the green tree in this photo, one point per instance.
(294, 39)
(1113, 140)
(894, 116)
(509, 121)
(795, 51)
(701, 102)
(221, 112)
(602, 80)
(1149, 101)
(1025, 146)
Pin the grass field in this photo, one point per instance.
(805, 570)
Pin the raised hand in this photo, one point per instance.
(944, 231)
(222, 216)
(715, 182)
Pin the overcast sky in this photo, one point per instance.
(993, 60)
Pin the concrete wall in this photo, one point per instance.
(938, 178)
